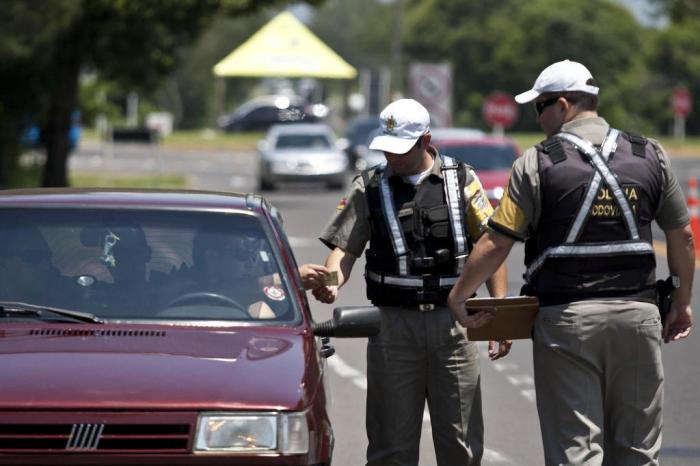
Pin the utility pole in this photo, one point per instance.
(396, 52)
(396, 88)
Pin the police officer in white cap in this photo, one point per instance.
(583, 201)
(420, 212)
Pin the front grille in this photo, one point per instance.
(88, 438)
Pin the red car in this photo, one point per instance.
(154, 327)
(491, 157)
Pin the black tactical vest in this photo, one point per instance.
(423, 216)
(565, 174)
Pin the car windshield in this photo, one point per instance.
(481, 157)
(143, 265)
(302, 141)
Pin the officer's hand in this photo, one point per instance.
(325, 294)
(471, 320)
(313, 275)
(499, 349)
(679, 322)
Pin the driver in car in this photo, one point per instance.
(228, 271)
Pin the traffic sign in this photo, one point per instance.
(681, 102)
(431, 85)
(500, 110)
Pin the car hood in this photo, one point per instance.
(171, 368)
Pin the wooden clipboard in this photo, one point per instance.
(513, 317)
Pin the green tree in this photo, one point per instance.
(504, 44)
(131, 42)
(675, 58)
(27, 30)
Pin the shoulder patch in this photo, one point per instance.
(341, 205)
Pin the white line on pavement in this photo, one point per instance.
(358, 379)
(297, 242)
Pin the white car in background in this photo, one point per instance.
(302, 152)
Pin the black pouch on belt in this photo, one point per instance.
(664, 288)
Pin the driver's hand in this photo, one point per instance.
(325, 294)
(313, 275)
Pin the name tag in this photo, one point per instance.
(405, 212)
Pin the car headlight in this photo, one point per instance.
(263, 432)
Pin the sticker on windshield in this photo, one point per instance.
(274, 292)
(107, 257)
(341, 205)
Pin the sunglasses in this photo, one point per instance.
(540, 106)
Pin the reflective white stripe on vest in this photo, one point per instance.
(570, 250)
(452, 195)
(587, 148)
(397, 239)
(608, 147)
(411, 281)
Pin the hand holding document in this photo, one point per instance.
(314, 276)
(513, 317)
(330, 279)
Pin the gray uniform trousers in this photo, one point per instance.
(599, 382)
(419, 355)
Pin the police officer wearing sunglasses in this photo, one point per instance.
(419, 211)
(583, 201)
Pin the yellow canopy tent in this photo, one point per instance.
(284, 47)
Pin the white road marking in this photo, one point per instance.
(520, 379)
(346, 371)
(494, 457)
(358, 379)
(504, 366)
(529, 394)
(238, 181)
(297, 242)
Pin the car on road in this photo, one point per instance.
(357, 136)
(260, 113)
(491, 157)
(301, 152)
(159, 327)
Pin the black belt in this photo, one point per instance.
(552, 299)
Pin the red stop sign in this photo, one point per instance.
(681, 102)
(500, 109)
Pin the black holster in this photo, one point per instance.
(664, 288)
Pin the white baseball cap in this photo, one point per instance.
(562, 76)
(402, 122)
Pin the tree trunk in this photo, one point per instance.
(9, 148)
(63, 100)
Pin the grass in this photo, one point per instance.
(208, 139)
(26, 177)
(204, 139)
(161, 182)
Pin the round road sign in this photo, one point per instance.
(500, 109)
(681, 102)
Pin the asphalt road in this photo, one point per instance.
(512, 429)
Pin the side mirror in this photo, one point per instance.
(350, 322)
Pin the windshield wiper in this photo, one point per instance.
(14, 308)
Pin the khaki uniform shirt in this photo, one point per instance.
(521, 205)
(349, 228)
